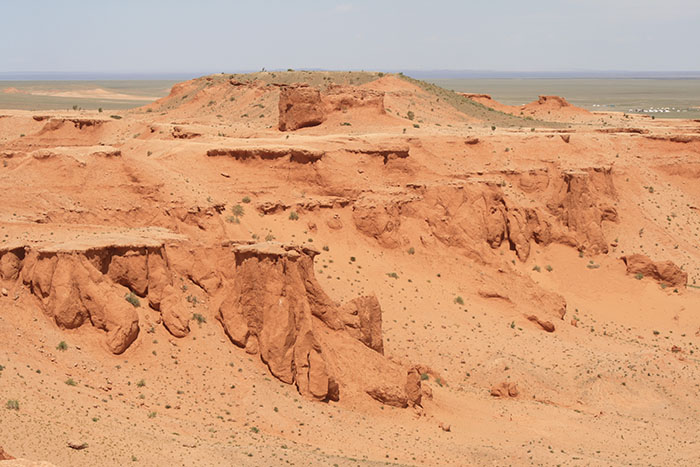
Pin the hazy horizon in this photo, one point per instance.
(504, 36)
(419, 74)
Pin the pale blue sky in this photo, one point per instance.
(154, 36)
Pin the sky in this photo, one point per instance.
(209, 36)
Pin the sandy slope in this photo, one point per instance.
(461, 230)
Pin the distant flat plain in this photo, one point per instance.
(680, 96)
(107, 94)
(621, 95)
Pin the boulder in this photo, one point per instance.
(505, 389)
(665, 272)
(546, 325)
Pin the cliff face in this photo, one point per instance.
(276, 308)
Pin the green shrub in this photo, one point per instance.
(62, 346)
(141, 383)
(71, 382)
(237, 210)
(246, 199)
(393, 275)
(411, 251)
(459, 300)
(199, 318)
(410, 115)
(133, 299)
(639, 276)
(424, 376)
(293, 216)
(12, 404)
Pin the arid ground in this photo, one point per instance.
(348, 268)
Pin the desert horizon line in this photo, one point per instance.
(417, 73)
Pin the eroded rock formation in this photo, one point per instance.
(304, 106)
(299, 107)
(665, 272)
(474, 215)
(101, 286)
(505, 389)
(276, 308)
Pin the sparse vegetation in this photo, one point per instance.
(293, 216)
(199, 318)
(237, 212)
(12, 404)
(133, 299)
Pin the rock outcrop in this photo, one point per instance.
(546, 325)
(363, 320)
(275, 308)
(477, 216)
(270, 311)
(665, 272)
(343, 98)
(505, 389)
(101, 286)
(581, 203)
(290, 153)
(304, 106)
(4, 456)
(299, 106)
